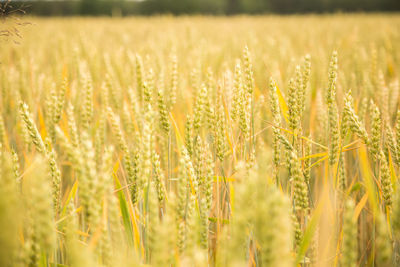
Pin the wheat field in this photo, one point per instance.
(201, 141)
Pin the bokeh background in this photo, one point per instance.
(208, 7)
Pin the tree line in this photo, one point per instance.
(212, 7)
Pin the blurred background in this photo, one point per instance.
(207, 7)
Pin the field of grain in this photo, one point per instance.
(201, 141)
